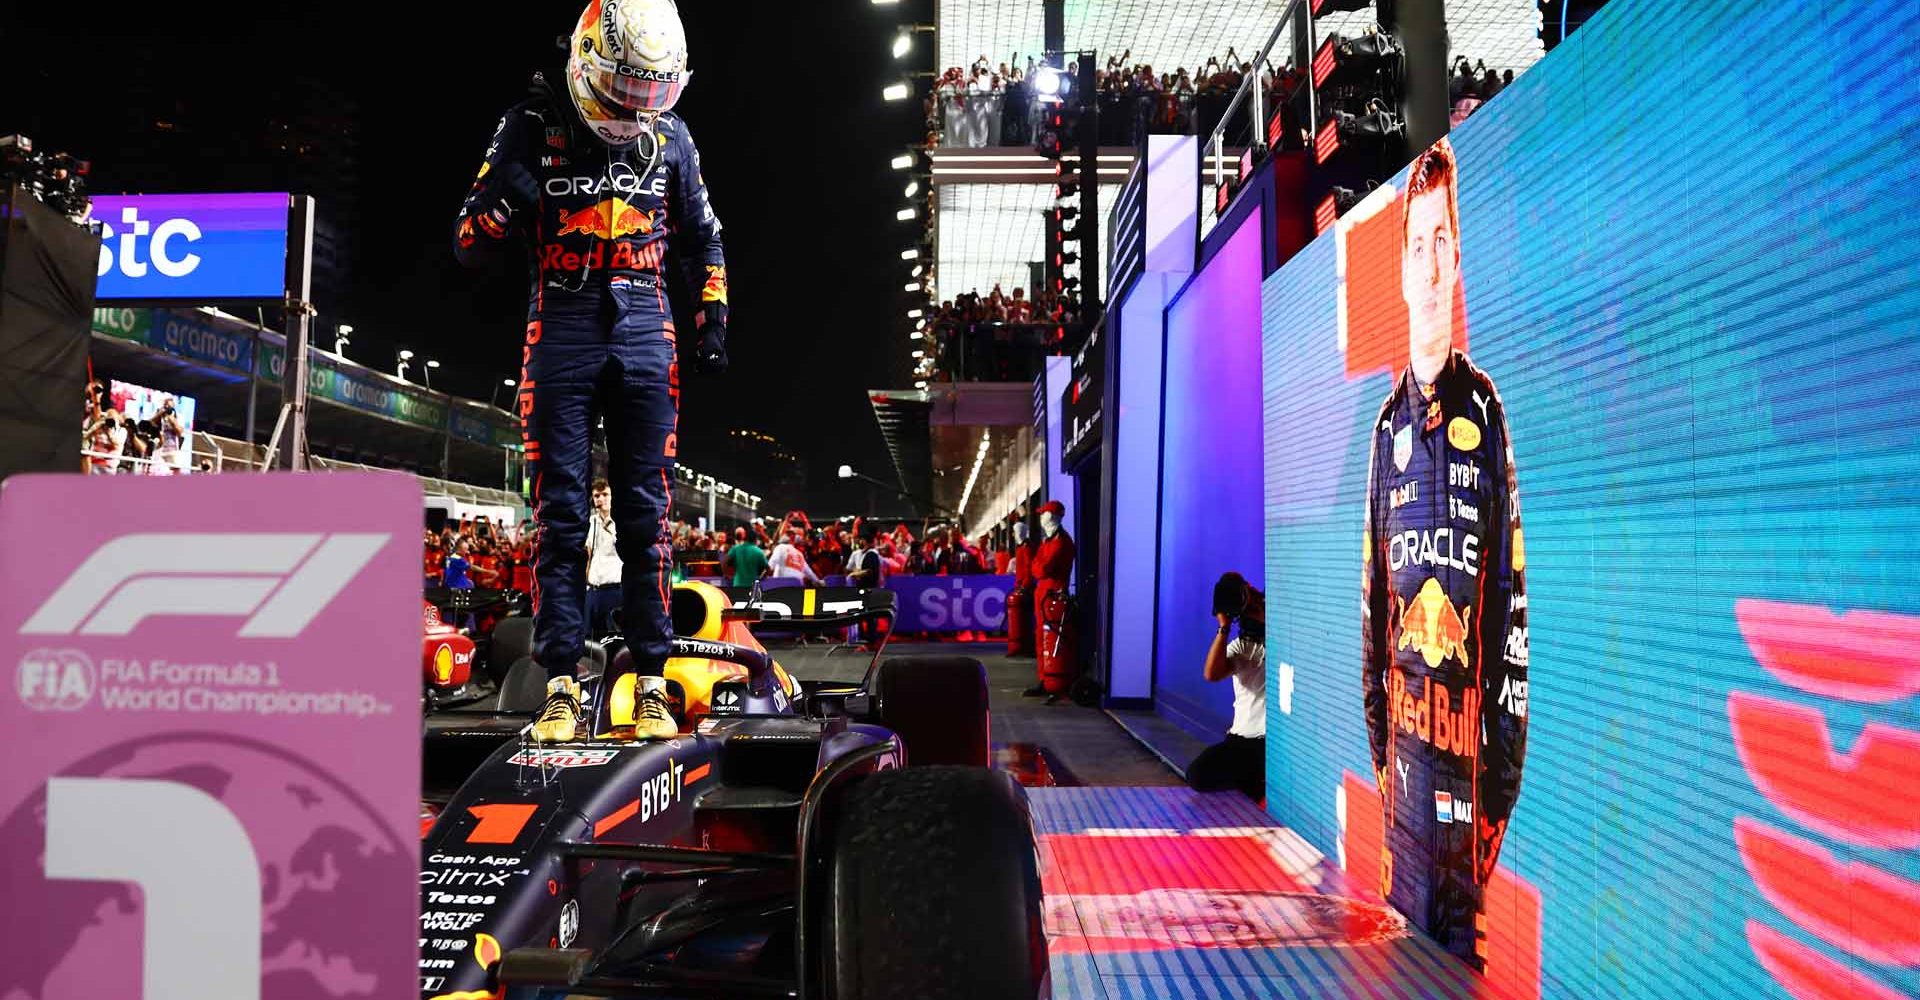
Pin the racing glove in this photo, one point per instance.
(513, 189)
(710, 355)
(517, 188)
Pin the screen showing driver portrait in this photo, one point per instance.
(1443, 609)
(1637, 356)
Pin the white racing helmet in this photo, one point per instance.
(627, 64)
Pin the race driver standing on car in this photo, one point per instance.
(1444, 605)
(594, 181)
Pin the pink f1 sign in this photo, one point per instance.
(212, 784)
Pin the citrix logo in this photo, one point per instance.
(158, 237)
(281, 582)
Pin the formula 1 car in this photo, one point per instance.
(469, 640)
(797, 839)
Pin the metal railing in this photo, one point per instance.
(1219, 149)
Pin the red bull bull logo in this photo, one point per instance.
(1432, 715)
(609, 219)
(1429, 624)
(716, 288)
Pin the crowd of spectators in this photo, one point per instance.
(988, 105)
(796, 548)
(997, 337)
(478, 553)
(1471, 85)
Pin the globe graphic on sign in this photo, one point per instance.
(323, 854)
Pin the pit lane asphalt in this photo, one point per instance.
(1084, 744)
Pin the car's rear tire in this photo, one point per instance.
(524, 689)
(934, 889)
(938, 705)
(512, 639)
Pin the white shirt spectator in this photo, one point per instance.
(603, 560)
(1249, 661)
(789, 563)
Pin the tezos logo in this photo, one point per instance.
(55, 680)
(159, 246)
(280, 582)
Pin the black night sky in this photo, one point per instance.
(784, 103)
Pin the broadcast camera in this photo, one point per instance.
(1234, 597)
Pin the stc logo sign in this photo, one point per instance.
(280, 582)
(211, 246)
(951, 603)
(159, 245)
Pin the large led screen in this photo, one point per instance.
(1591, 452)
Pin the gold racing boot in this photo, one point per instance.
(641, 708)
(559, 719)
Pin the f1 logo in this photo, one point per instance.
(279, 581)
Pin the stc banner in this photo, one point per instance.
(1590, 452)
(933, 603)
(200, 247)
(951, 603)
(213, 770)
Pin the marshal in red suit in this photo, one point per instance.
(1052, 569)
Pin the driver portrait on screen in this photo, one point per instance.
(1443, 598)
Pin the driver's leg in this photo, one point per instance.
(642, 415)
(557, 406)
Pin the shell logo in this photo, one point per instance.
(486, 950)
(443, 663)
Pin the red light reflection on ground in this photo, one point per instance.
(1151, 891)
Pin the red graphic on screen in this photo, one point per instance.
(1375, 320)
(1862, 797)
(1809, 975)
(1511, 904)
(1853, 906)
(1864, 656)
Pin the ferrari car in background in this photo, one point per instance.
(796, 839)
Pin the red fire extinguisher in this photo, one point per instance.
(1020, 628)
(1059, 652)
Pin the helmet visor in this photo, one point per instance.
(624, 88)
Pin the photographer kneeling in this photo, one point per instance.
(1240, 761)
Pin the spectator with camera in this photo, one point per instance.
(1239, 762)
(106, 440)
(172, 438)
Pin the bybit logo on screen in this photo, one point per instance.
(161, 253)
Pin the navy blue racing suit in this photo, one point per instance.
(1444, 646)
(600, 342)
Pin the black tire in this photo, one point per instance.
(935, 890)
(524, 689)
(938, 705)
(512, 639)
